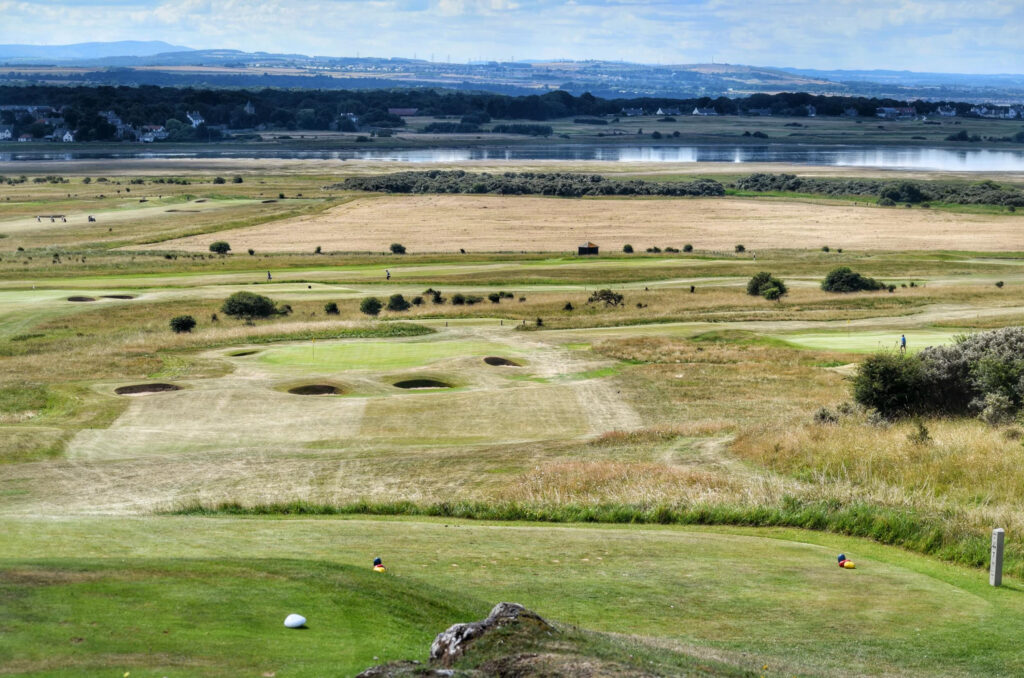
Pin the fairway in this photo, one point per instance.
(499, 224)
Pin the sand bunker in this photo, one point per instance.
(422, 383)
(315, 390)
(239, 354)
(500, 362)
(118, 296)
(142, 389)
(81, 299)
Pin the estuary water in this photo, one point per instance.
(883, 157)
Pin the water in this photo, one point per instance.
(884, 157)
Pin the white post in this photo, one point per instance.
(995, 568)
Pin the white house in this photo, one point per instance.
(946, 111)
(704, 111)
(25, 137)
(669, 111)
(68, 136)
(249, 108)
(6, 133)
(811, 111)
(195, 118)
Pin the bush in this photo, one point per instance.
(494, 297)
(183, 323)
(766, 285)
(825, 248)
(251, 251)
(628, 249)
(825, 416)
(219, 180)
(437, 298)
(236, 179)
(891, 384)
(687, 247)
(920, 435)
(318, 250)
(843, 279)
(1000, 284)
(417, 301)
(740, 249)
(458, 299)
(370, 306)
(248, 306)
(607, 297)
(398, 303)
(331, 308)
(568, 306)
(220, 247)
(397, 248)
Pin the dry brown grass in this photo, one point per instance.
(445, 223)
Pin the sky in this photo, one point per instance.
(955, 36)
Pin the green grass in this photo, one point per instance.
(377, 355)
(858, 341)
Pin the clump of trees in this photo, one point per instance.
(888, 192)
(979, 375)
(565, 184)
(766, 285)
(220, 247)
(844, 279)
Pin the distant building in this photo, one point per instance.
(6, 132)
(401, 112)
(25, 137)
(249, 108)
(900, 113)
(764, 112)
(812, 111)
(63, 135)
(195, 118)
(632, 112)
(704, 111)
(587, 249)
(669, 111)
(946, 111)
(155, 132)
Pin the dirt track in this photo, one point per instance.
(446, 223)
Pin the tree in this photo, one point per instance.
(398, 303)
(740, 249)
(766, 285)
(687, 247)
(892, 384)
(370, 306)
(248, 306)
(219, 180)
(609, 298)
(628, 249)
(397, 248)
(220, 247)
(183, 323)
(331, 308)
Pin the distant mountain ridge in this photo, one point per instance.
(89, 50)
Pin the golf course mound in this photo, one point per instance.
(422, 383)
(81, 299)
(141, 389)
(497, 361)
(316, 390)
(118, 296)
(239, 354)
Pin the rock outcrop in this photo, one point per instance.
(451, 644)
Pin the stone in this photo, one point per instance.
(295, 621)
(450, 644)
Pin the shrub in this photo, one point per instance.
(920, 435)
(183, 323)
(654, 250)
(540, 322)
(687, 247)
(417, 301)
(398, 303)
(568, 306)
(219, 180)
(370, 306)
(608, 297)
(331, 308)
(473, 299)
(628, 249)
(437, 298)
(397, 248)
(494, 297)
(825, 416)
(236, 179)
(825, 248)
(843, 279)
(458, 299)
(248, 306)
(997, 409)
(890, 384)
(251, 251)
(1000, 284)
(318, 250)
(220, 247)
(766, 285)
(740, 249)
(886, 202)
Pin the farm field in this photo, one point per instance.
(668, 476)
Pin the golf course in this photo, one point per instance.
(223, 396)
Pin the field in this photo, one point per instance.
(654, 475)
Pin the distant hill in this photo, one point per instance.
(88, 50)
(913, 78)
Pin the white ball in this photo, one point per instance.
(294, 621)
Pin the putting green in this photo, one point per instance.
(869, 342)
(376, 355)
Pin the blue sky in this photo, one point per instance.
(959, 36)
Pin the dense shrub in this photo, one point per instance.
(563, 184)
(183, 323)
(628, 249)
(397, 248)
(220, 247)
(370, 306)
(458, 299)
(766, 285)
(843, 279)
(398, 303)
(248, 306)
(891, 384)
(687, 247)
(331, 308)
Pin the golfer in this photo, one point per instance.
(387, 272)
(903, 344)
